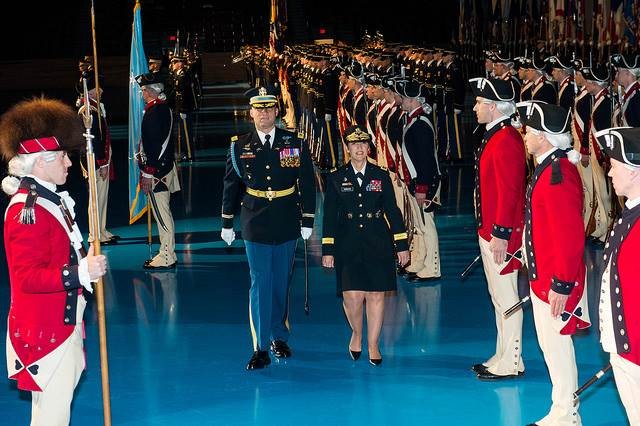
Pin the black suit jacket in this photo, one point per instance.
(250, 164)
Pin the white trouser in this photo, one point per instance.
(102, 198)
(627, 376)
(561, 362)
(425, 252)
(167, 254)
(52, 406)
(503, 290)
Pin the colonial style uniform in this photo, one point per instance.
(499, 204)
(273, 176)
(620, 293)
(419, 154)
(157, 162)
(554, 246)
(628, 112)
(47, 269)
(102, 151)
(185, 103)
(601, 114)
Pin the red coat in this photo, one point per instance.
(626, 240)
(38, 258)
(500, 188)
(554, 241)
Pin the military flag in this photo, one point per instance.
(137, 66)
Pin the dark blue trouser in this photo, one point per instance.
(270, 267)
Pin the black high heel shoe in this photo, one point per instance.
(375, 361)
(355, 355)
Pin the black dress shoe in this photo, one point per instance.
(355, 355)
(532, 424)
(115, 237)
(147, 265)
(479, 368)
(280, 349)
(488, 376)
(109, 242)
(260, 359)
(375, 361)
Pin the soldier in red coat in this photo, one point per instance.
(554, 247)
(620, 293)
(48, 266)
(499, 204)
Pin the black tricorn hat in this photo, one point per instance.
(628, 61)
(559, 61)
(595, 72)
(621, 143)
(545, 117)
(148, 78)
(493, 89)
(538, 63)
(355, 70)
(502, 58)
(371, 78)
(414, 89)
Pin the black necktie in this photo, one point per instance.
(360, 176)
(266, 140)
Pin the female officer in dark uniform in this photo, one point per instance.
(359, 209)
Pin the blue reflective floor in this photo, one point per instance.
(179, 341)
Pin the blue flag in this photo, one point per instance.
(137, 66)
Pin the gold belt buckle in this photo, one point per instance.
(270, 195)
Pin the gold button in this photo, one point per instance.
(268, 167)
(269, 189)
(268, 177)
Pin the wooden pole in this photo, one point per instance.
(94, 223)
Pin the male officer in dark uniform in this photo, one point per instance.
(541, 88)
(159, 178)
(627, 73)
(185, 103)
(562, 72)
(278, 206)
(620, 293)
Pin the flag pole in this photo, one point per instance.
(94, 224)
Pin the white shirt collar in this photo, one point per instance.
(542, 157)
(50, 186)
(496, 121)
(632, 203)
(262, 135)
(364, 168)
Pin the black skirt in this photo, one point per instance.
(366, 275)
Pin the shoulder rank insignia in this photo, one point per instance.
(234, 138)
(300, 135)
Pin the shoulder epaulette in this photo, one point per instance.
(234, 138)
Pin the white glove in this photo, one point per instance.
(305, 232)
(228, 235)
(183, 116)
(327, 117)
(457, 111)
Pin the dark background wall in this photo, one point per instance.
(62, 29)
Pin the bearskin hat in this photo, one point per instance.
(40, 118)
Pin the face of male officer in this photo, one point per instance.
(626, 179)
(264, 118)
(484, 110)
(52, 167)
